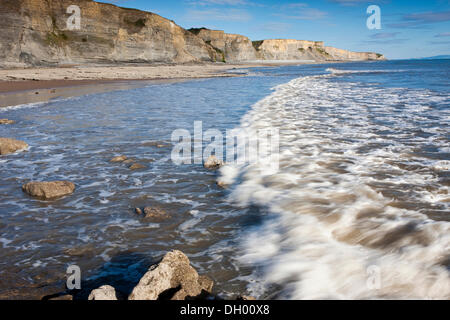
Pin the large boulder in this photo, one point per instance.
(49, 190)
(103, 293)
(173, 278)
(8, 145)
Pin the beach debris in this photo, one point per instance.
(8, 145)
(105, 292)
(137, 166)
(7, 121)
(172, 279)
(48, 190)
(213, 163)
(119, 159)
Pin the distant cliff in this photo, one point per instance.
(34, 32)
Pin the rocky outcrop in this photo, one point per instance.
(49, 190)
(35, 32)
(173, 278)
(103, 293)
(8, 145)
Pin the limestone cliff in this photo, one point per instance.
(232, 47)
(35, 33)
(280, 49)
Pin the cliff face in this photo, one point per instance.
(232, 47)
(308, 50)
(35, 33)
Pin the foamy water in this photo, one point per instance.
(358, 192)
(361, 194)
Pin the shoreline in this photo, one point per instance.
(37, 85)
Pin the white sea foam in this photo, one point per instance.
(348, 162)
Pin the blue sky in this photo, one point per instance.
(409, 29)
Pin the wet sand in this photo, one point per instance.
(33, 85)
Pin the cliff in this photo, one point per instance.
(232, 47)
(35, 33)
(308, 50)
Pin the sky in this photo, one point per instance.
(409, 29)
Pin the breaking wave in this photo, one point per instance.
(359, 196)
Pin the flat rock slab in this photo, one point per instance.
(8, 145)
(153, 213)
(49, 190)
(7, 121)
(137, 166)
(173, 278)
(119, 159)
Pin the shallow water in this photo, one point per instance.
(363, 182)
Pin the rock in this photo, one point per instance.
(128, 161)
(137, 166)
(138, 211)
(246, 298)
(155, 213)
(8, 145)
(7, 121)
(172, 278)
(103, 293)
(213, 163)
(65, 297)
(118, 159)
(222, 184)
(49, 190)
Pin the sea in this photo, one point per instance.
(359, 207)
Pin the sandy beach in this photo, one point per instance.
(31, 85)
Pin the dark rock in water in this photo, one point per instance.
(7, 121)
(137, 166)
(119, 159)
(105, 292)
(245, 298)
(154, 144)
(222, 184)
(66, 297)
(213, 163)
(49, 190)
(8, 145)
(172, 279)
(155, 213)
